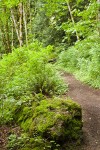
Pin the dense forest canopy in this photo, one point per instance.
(56, 22)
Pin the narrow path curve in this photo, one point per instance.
(89, 99)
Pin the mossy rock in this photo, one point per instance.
(51, 123)
(54, 119)
(57, 119)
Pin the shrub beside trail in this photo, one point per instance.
(83, 60)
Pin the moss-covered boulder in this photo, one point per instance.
(55, 120)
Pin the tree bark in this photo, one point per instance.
(6, 32)
(15, 24)
(72, 19)
(30, 29)
(7, 37)
(25, 25)
(3, 39)
(20, 23)
(12, 38)
(98, 18)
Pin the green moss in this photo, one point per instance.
(25, 113)
(26, 124)
(48, 120)
(57, 119)
(26, 148)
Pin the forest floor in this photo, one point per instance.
(5, 131)
(89, 99)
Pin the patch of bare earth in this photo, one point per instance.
(5, 131)
(89, 99)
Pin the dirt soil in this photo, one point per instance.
(5, 131)
(89, 99)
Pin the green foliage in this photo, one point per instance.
(83, 60)
(45, 26)
(24, 142)
(49, 124)
(84, 18)
(49, 21)
(26, 72)
(7, 106)
(16, 142)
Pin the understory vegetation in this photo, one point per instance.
(26, 72)
(29, 84)
(83, 60)
(39, 40)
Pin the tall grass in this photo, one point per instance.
(83, 60)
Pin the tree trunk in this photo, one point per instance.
(7, 37)
(30, 29)
(12, 39)
(98, 18)
(20, 23)
(72, 19)
(4, 39)
(6, 32)
(25, 25)
(15, 24)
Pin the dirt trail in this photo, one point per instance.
(89, 99)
